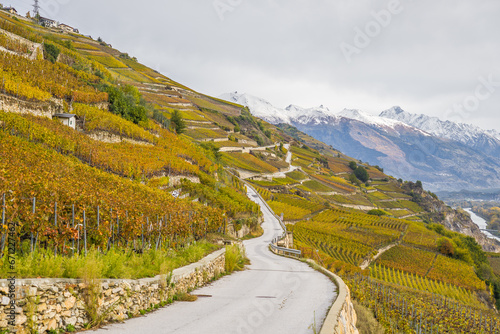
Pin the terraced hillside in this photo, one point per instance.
(119, 175)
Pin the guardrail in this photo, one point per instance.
(274, 243)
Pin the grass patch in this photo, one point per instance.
(315, 186)
(185, 297)
(235, 258)
(296, 175)
(366, 323)
(248, 162)
(117, 263)
(108, 61)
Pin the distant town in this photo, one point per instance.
(43, 21)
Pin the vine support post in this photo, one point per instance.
(117, 229)
(112, 237)
(4, 235)
(78, 239)
(158, 225)
(55, 224)
(98, 246)
(33, 208)
(142, 236)
(73, 226)
(84, 232)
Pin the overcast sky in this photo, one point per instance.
(440, 58)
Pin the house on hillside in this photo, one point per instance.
(11, 10)
(48, 22)
(67, 28)
(66, 119)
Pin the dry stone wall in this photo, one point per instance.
(12, 104)
(48, 304)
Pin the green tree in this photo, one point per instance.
(51, 52)
(361, 174)
(178, 122)
(126, 102)
(353, 165)
(353, 179)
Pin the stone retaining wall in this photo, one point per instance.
(341, 319)
(57, 303)
(12, 104)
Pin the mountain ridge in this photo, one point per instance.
(405, 151)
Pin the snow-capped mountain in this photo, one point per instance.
(487, 141)
(258, 107)
(443, 155)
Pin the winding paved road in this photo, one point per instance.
(273, 295)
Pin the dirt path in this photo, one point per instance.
(381, 251)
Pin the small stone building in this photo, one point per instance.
(66, 119)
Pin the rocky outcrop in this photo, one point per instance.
(50, 304)
(453, 219)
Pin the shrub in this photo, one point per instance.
(51, 52)
(126, 102)
(377, 212)
(445, 246)
(235, 258)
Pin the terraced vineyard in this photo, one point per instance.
(293, 207)
(347, 236)
(416, 282)
(342, 240)
(404, 310)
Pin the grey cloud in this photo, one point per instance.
(426, 59)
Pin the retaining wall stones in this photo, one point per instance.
(45, 304)
(341, 319)
(12, 104)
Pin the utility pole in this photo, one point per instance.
(36, 10)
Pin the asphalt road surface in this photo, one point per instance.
(273, 295)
